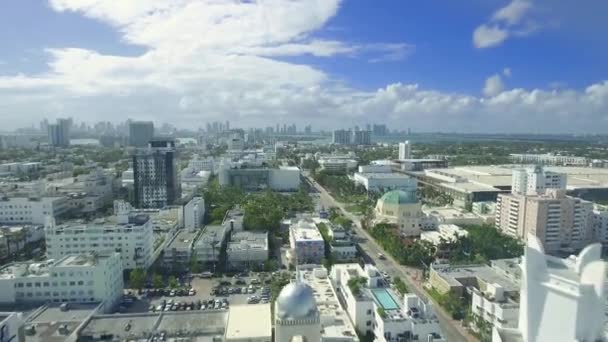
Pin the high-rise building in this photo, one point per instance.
(341, 137)
(155, 175)
(405, 150)
(362, 137)
(561, 300)
(59, 133)
(560, 222)
(535, 181)
(379, 130)
(140, 133)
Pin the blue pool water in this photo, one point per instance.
(385, 299)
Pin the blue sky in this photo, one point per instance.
(474, 65)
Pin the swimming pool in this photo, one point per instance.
(385, 299)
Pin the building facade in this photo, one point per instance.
(193, 213)
(246, 250)
(72, 278)
(561, 300)
(535, 181)
(132, 236)
(306, 243)
(401, 208)
(405, 150)
(362, 138)
(560, 222)
(31, 210)
(341, 137)
(155, 176)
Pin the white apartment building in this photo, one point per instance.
(72, 278)
(130, 235)
(405, 150)
(193, 213)
(247, 249)
(559, 221)
(306, 243)
(535, 181)
(561, 300)
(381, 311)
(31, 210)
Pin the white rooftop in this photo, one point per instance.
(249, 322)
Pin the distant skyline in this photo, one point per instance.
(535, 66)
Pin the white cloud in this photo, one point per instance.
(493, 85)
(487, 36)
(506, 72)
(513, 12)
(507, 21)
(208, 60)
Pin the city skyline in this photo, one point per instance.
(491, 66)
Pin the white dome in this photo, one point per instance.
(296, 301)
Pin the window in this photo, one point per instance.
(368, 323)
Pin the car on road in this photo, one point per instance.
(381, 256)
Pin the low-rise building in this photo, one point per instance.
(400, 208)
(384, 181)
(306, 243)
(24, 209)
(310, 309)
(284, 178)
(444, 233)
(130, 235)
(210, 244)
(72, 278)
(193, 213)
(177, 254)
(336, 165)
(494, 295)
(380, 310)
(241, 327)
(436, 216)
(247, 249)
(13, 239)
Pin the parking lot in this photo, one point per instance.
(204, 294)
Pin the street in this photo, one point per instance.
(452, 329)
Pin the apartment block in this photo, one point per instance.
(130, 235)
(72, 278)
(22, 209)
(560, 222)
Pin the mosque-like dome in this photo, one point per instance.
(296, 301)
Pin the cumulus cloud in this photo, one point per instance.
(493, 86)
(208, 60)
(507, 21)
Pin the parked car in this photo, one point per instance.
(192, 292)
(206, 275)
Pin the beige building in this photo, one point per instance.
(560, 222)
(402, 209)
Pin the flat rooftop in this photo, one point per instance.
(457, 275)
(335, 321)
(211, 233)
(246, 240)
(384, 175)
(183, 239)
(499, 176)
(242, 326)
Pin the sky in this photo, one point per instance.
(533, 66)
